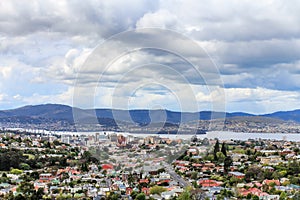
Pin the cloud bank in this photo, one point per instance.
(254, 44)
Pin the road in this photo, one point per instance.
(175, 176)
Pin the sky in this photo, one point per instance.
(183, 55)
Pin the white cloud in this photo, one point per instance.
(158, 19)
(73, 18)
(65, 97)
(44, 44)
(5, 72)
(261, 100)
(2, 97)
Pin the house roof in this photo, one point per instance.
(107, 166)
(156, 196)
(237, 173)
(255, 191)
(144, 189)
(144, 181)
(268, 182)
(46, 174)
(209, 183)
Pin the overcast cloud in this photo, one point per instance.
(250, 57)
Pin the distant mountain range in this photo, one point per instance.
(57, 112)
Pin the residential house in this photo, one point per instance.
(238, 175)
(236, 157)
(146, 191)
(270, 160)
(209, 183)
(253, 191)
(168, 194)
(129, 190)
(269, 197)
(46, 177)
(269, 182)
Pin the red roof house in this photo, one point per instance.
(209, 183)
(146, 191)
(129, 191)
(268, 182)
(107, 166)
(144, 181)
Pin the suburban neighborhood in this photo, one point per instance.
(114, 166)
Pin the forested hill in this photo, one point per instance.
(57, 112)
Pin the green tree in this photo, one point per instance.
(255, 197)
(282, 196)
(86, 155)
(34, 175)
(134, 194)
(209, 157)
(38, 194)
(224, 149)
(216, 150)
(194, 175)
(9, 196)
(248, 196)
(221, 157)
(130, 179)
(255, 172)
(185, 195)
(47, 144)
(24, 166)
(296, 150)
(114, 197)
(294, 167)
(157, 190)
(227, 163)
(56, 142)
(16, 171)
(84, 166)
(28, 191)
(140, 196)
(226, 193)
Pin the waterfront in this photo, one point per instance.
(221, 135)
(224, 135)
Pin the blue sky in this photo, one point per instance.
(254, 46)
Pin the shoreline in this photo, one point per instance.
(222, 135)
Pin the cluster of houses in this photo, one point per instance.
(136, 165)
(212, 179)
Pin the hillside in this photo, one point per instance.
(63, 112)
(286, 115)
(61, 116)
